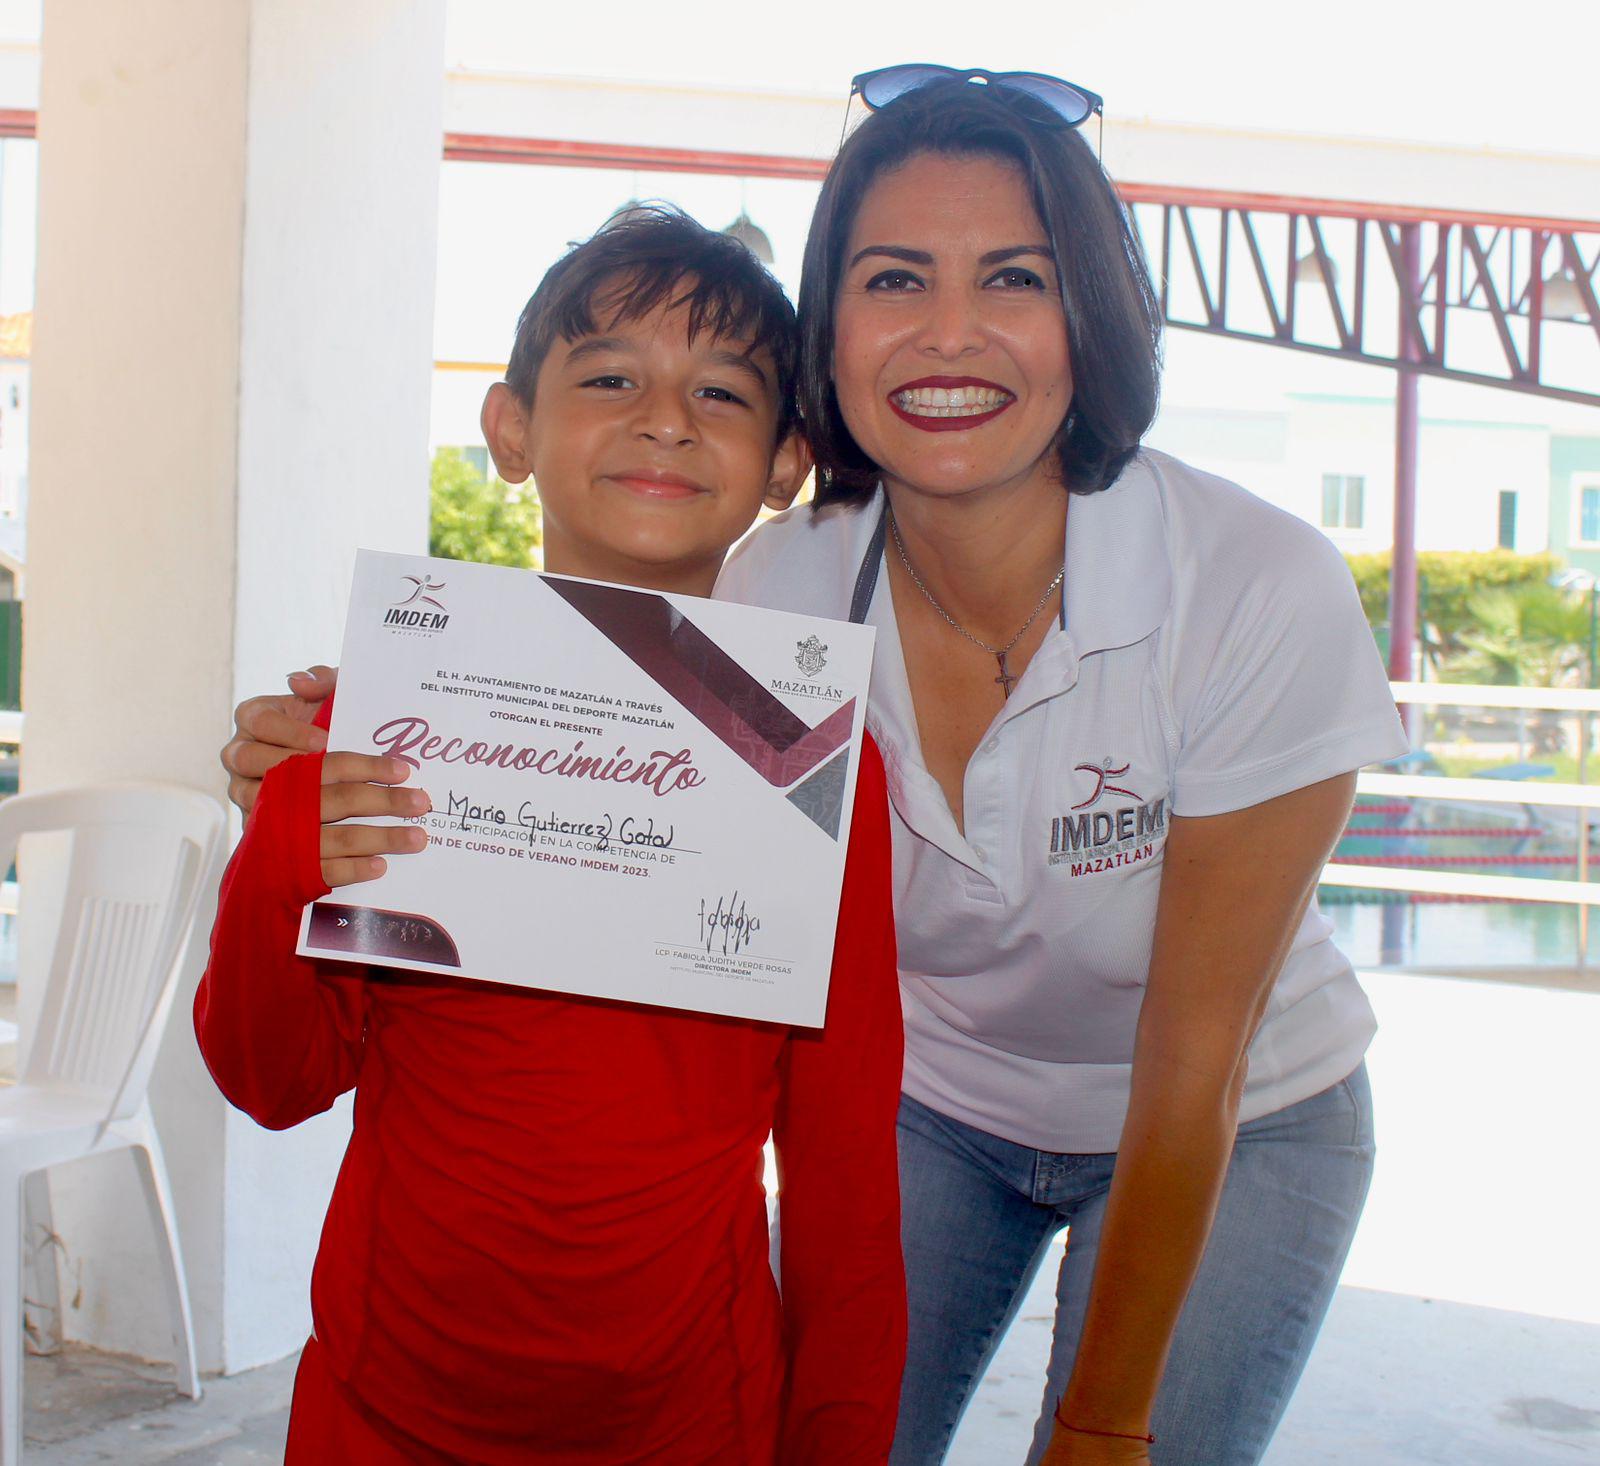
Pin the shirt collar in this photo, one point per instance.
(1118, 589)
(1119, 572)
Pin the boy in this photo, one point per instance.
(547, 1241)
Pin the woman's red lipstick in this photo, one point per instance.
(931, 424)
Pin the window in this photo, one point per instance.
(1343, 496)
(1586, 511)
(1506, 537)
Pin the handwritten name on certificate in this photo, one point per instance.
(635, 795)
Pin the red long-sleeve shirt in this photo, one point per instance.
(548, 1237)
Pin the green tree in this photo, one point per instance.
(476, 518)
(1532, 635)
(1448, 582)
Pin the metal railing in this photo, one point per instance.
(1475, 790)
(10, 736)
(1481, 790)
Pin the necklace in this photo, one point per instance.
(999, 653)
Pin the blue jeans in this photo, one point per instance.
(980, 1212)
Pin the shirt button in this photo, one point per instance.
(980, 852)
(991, 745)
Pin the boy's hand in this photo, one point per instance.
(268, 730)
(355, 784)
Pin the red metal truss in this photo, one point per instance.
(1384, 284)
(1247, 266)
(1229, 263)
(469, 147)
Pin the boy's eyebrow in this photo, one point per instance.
(595, 346)
(722, 356)
(740, 361)
(922, 257)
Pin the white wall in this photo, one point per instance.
(1463, 465)
(1461, 469)
(1249, 447)
(1331, 436)
(1464, 468)
(340, 230)
(122, 458)
(238, 207)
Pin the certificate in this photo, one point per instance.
(636, 795)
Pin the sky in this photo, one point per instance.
(1493, 75)
(1478, 72)
(1467, 73)
(1413, 70)
(1460, 71)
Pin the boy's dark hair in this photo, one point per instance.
(649, 255)
(1112, 311)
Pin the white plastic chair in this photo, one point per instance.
(140, 856)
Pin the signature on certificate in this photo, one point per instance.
(728, 926)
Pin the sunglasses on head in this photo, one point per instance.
(1074, 105)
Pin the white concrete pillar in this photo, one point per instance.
(237, 226)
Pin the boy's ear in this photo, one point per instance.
(790, 466)
(505, 423)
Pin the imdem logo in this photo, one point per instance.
(408, 614)
(1089, 839)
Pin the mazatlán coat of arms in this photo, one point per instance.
(809, 658)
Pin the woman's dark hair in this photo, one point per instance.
(1112, 312)
(649, 255)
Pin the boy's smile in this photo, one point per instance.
(651, 452)
(659, 484)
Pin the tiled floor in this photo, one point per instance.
(1467, 1332)
(85, 1408)
(1395, 1382)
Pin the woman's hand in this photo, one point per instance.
(269, 729)
(1071, 1448)
(1233, 889)
(356, 784)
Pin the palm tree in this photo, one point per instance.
(1532, 635)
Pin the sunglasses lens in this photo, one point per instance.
(879, 88)
(1067, 102)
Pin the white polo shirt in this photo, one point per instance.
(1212, 654)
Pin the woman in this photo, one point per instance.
(1120, 703)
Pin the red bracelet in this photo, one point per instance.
(1120, 1435)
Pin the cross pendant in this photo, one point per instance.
(1005, 679)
